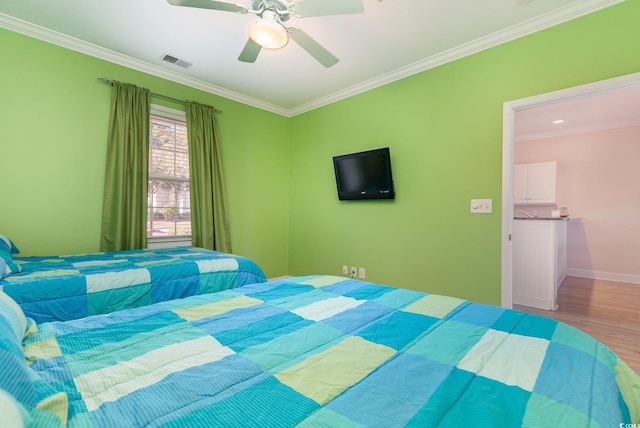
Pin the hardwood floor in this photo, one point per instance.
(606, 310)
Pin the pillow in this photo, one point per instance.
(12, 246)
(12, 313)
(4, 269)
(14, 415)
(5, 253)
(47, 405)
(16, 377)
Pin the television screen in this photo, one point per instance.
(364, 175)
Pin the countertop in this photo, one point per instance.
(548, 218)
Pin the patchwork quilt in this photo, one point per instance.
(62, 288)
(324, 351)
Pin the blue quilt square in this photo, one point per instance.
(236, 318)
(289, 349)
(345, 287)
(442, 399)
(391, 395)
(517, 322)
(264, 404)
(47, 288)
(508, 320)
(468, 400)
(261, 331)
(536, 326)
(193, 387)
(399, 298)
(53, 370)
(212, 282)
(98, 331)
(178, 269)
(478, 314)
(368, 292)
(269, 294)
(169, 289)
(398, 329)
(70, 308)
(557, 380)
(356, 318)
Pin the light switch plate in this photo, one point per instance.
(481, 206)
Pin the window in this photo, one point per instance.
(169, 215)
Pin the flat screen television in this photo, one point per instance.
(364, 175)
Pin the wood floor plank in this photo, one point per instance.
(606, 310)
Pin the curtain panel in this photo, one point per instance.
(209, 217)
(124, 212)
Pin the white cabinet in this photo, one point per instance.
(539, 262)
(534, 183)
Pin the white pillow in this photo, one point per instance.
(13, 313)
(13, 414)
(4, 269)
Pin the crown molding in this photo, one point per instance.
(542, 22)
(564, 14)
(72, 43)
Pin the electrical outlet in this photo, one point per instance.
(345, 270)
(361, 273)
(353, 271)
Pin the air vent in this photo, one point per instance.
(176, 61)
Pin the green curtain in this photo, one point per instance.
(124, 211)
(209, 218)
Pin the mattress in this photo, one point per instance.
(62, 288)
(329, 351)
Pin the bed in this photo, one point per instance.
(62, 288)
(317, 351)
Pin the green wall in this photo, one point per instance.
(444, 129)
(54, 115)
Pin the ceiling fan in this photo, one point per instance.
(270, 30)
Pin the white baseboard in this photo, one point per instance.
(534, 302)
(609, 276)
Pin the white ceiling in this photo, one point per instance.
(392, 39)
(616, 108)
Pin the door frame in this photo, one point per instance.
(508, 140)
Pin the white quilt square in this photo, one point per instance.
(327, 308)
(508, 358)
(217, 265)
(120, 279)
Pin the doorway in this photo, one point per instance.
(509, 110)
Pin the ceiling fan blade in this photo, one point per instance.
(210, 4)
(314, 48)
(306, 8)
(250, 51)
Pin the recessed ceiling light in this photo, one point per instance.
(558, 121)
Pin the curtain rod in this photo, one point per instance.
(153, 94)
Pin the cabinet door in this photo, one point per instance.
(534, 257)
(520, 184)
(541, 179)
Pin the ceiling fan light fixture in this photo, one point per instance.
(268, 32)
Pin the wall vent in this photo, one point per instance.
(177, 61)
